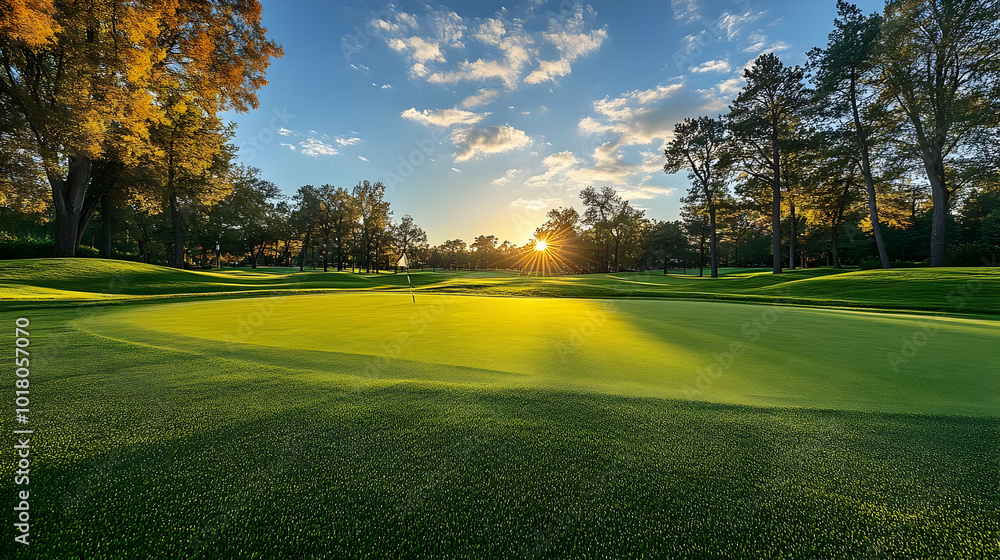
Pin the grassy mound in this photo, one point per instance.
(946, 290)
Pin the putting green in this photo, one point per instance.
(707, 351)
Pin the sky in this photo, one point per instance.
(480, 117)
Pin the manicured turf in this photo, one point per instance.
(742, 354)
(362, 425)
(946, 290)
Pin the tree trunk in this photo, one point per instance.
(618, 267)
(866, 170)
(713, 239)
(305, 247)
(701, 252)
(175, 222)
(934, 164)
(68, 195)
(776, 198)
(833, 246)
(792, 239)
(106, 226)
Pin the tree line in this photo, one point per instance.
(898, 127)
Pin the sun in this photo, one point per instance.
(541, 246)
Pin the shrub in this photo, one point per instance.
(977, 253)
(36, 248)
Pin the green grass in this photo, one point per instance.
(357, 424)
(947, 290)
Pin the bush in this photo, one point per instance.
(873, 264)
(36, 248)
(976, 253)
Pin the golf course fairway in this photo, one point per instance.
(763, 355)
(359, 424)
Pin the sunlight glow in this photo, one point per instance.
(541, 246)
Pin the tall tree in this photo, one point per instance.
(601, 207)
(304, 216)
(375, 219)
(83, 78)
(246, 216)
(408, 235)
(701, 146)
(940, 69)
(761, 118)
(187, 160)
(834, 187)
(668, 242)
(844, 73)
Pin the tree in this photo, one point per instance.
(246, 216)
(613, 222)
(833, 191)
(844, 71)
(761, 118)
(600, 208)
(940, 69)
(408, 235)
(304, 216)
(375, 219)
(484, 250)
(694, 219)
(738, 221)
(668, 242)
(453, 251)
(562, 234)
(701, 147)
(186, 160)
(83, 79)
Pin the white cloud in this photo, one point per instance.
(284, 131)
(442, 117)
(641, 116)
(572, 40)
(456, 170)
(565, 170)
(289, 146)
(506, 178)
(731, 24)
(712, 66)
(510, 48)
(483, 97)
(363, 158)
(387, 86)
(342, 141)
(758, 43)
(536, 204)
(471, 142)
(508, 71)
(418, 49)
(556, 164)
(315, 148)
(685, 11)
(490, 32)
(645, 192)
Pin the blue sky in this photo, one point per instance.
(480, 117)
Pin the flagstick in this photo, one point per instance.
(411, 285)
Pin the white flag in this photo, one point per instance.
(402, 262)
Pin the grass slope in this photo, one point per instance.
(183, 449)
(947, 290)
(356, 424)
(744, 354)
